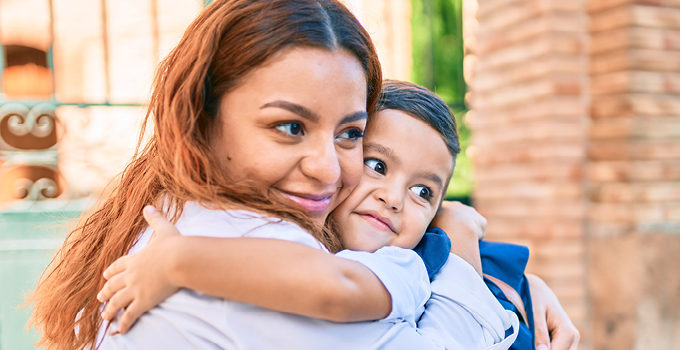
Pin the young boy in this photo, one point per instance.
(409, 155)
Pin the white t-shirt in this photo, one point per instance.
(455, 317)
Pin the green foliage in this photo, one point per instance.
(437, 44)
(461, 183)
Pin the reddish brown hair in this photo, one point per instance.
(225, 42)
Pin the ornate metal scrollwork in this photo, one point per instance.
(28, 158)
(28, 182)
(25, 189)
(24, 128)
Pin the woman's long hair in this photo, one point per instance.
(225, 42)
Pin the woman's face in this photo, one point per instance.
(294, 126)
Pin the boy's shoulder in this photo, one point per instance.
(404, 276)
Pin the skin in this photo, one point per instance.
(406, 166)
(554, 329)
(318, 165)
(414, 177)
(467, 227)
(294, 126)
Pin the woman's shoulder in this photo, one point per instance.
(200, 220)
(197, 219)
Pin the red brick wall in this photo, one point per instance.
(575, 112)
(633, 173)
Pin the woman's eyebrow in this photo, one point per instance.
(354, 117)
(293, 108)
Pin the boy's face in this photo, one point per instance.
(406, 168)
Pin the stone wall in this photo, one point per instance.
(576, 145)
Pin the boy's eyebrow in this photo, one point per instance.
(384, 150)
(389, 153)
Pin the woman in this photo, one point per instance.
(189, 157)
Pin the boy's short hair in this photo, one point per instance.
(422, 104)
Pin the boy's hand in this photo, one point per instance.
(465, 227)
(554, 329)
(138, 282)
(454, 217)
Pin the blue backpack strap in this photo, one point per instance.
(503, 265)
(434, 249)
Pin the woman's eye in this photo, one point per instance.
(422, 191)
(376, 165)
(351, 134)
(290, 128)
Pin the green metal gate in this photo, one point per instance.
(35, 203)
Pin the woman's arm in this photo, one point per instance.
(554, 329)
(273, 274)
(465, 227)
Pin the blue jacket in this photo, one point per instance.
(503, 261)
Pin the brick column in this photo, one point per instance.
(528, 76)
(634, 173)
(576, 145)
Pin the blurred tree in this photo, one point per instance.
(437, 49)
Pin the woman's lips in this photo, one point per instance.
(314, 203)
(378, 221)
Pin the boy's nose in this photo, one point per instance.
(392, 199)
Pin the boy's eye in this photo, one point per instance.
(376, 165)
(422, 191)
(351, 134)
(290, 128)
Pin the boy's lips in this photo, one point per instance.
(314, 203)
(377, 220)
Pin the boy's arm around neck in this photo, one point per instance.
(271, 273)
(279, 275)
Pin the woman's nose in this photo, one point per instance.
(322, 164)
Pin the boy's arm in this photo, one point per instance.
(274, 274)
(278, 275)
(465, 227)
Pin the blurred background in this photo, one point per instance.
(569, 115)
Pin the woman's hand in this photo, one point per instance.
(554, 329)
(138, 282)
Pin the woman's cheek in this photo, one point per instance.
(351, 167)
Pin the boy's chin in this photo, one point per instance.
(363, 245)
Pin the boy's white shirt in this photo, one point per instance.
(460, 312)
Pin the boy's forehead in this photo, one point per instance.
(410, 141)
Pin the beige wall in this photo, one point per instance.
(388, 23)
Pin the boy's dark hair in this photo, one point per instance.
(423, 104)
